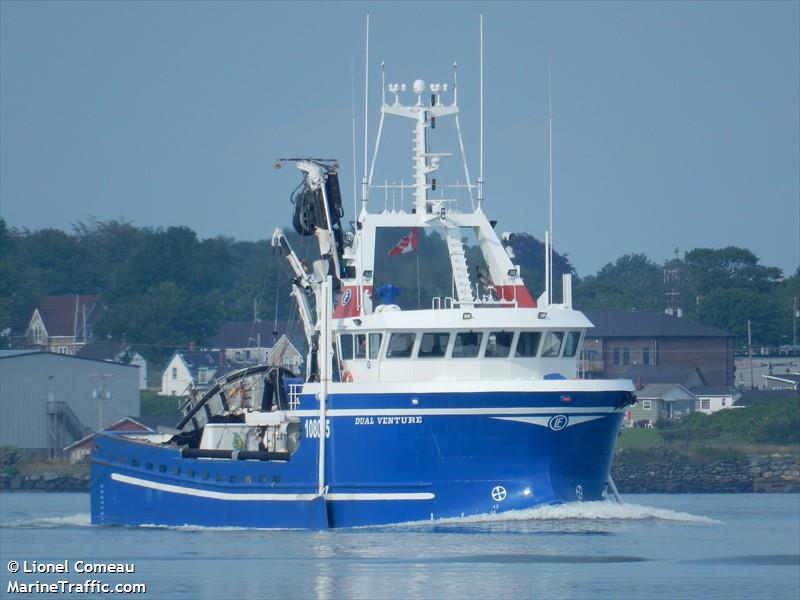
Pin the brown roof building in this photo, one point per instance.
(61, 324)
(644, 346)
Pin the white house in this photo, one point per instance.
(712, 398)
(191, 367)
(119, 352)
(248, 342)
(660, 401)
(284, 354)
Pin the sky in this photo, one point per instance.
(675, 124)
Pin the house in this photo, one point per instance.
(119, 352)
(253, 342)
(285, 354)
(189, 368)
(59, 324)
(640, 343)
(753, 397)
(786, 381)
(48, 400)
(80, 450)
(711, 398)
(660, 402)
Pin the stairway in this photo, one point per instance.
(458, 261)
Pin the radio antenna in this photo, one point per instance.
(355, 177)
(364, 191)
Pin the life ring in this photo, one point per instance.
(347, 377)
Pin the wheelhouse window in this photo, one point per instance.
(571, 343)
(498, 345)
(375, 345)
(528, 344)
(400, 345)
(552, 343)
(433, 344)
(467, 344)
(360, 346)
(346, 346)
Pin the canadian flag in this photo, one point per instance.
(408, 243)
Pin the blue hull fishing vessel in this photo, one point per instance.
(467, 406)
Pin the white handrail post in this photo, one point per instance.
(324, 377)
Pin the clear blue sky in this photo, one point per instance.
(676, 123)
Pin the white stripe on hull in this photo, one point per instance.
(545, 421)
(565, 386)
(401, 412)
(187, 491)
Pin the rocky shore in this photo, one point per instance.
(44, 482)
(773, 473)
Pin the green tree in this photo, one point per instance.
(632, 282)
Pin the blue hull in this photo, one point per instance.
(452, 455)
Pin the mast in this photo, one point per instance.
(480, 168)
(550, 181)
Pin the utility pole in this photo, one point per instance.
(101, 393)
(750, 355)
(795, 315)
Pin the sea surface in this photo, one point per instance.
(726, 546)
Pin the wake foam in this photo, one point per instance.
(585, 511)
(76, 520)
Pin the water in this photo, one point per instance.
(653, 546)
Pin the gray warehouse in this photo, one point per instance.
(48, 401)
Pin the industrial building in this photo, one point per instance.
(48, 401)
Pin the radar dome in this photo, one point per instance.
(418, 86)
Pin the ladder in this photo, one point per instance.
(458, 261)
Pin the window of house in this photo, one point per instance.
(528, 344)
(645, 356)
(552, 343)
(498, 344)
(706, 404)
(626, 356)
(467, 344)
(202, 375)
(571, 343)
(400, 345)
(615, 356)
(647, 405)
(433, 344)
(174, 372)
(375, 345)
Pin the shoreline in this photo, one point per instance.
(775, 473)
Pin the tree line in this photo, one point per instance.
(165, 287)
